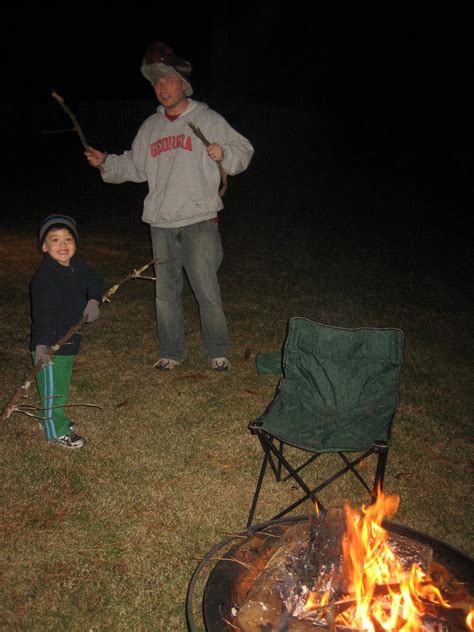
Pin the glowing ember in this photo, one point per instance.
(381, 594)
(470, 620)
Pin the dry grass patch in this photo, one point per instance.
(107, 538)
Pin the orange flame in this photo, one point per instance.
(381, 594)
(386, 596)
(312, 602)
(470, 620)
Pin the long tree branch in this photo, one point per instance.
(72, 116)
(25, 409)
(200, 135)
(12, 404)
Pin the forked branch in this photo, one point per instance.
(72, 116)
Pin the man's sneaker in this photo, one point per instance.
(220, 364)
(71, 441)
(166, 364)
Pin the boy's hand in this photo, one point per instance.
(95, 157)
(42, 356)
(91, 311)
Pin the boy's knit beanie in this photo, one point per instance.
(60, 221)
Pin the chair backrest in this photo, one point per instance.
(340, 389)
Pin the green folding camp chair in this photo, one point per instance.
(339, 394)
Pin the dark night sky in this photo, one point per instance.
(407, 72)
(339, 57)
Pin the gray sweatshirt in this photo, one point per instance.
(183, 180)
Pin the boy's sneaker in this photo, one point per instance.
(166, 364)
(220, 364)
(71, 441)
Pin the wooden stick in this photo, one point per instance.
(12, 404)
(226, 559)
(75, 122)
(201, 137)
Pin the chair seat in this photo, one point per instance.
(311, 439)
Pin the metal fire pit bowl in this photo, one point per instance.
(220, 591)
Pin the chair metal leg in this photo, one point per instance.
(279, 462)
(275, 457)
(308, 492)
(271, 451)
(312, 493)
(297, 503)
(276, 467)
(303, 465)
(257, 491)
(351, 465)
(382, 451)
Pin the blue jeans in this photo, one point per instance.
(197, 248)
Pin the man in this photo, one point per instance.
(183, 201)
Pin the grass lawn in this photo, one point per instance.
(106, 538)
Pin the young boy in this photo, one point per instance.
(63, 290)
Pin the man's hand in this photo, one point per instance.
(42, 356)
(216, 152)
(91, 311)
(95, 157)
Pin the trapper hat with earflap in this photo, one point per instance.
(160, 61)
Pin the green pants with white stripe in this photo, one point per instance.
(53, 384)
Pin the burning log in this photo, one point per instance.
(264, 607)
(409, 552)
(308, 561)
(296, 625)
(328, 581)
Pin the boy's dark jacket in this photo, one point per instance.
(59, 295)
